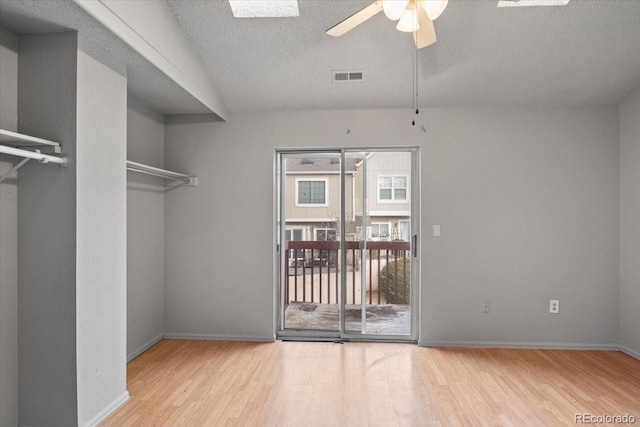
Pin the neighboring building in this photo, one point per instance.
(388, 195)
(312, 197)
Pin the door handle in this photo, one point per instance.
(414, 245)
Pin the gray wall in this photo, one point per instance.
(8, 237)
(145, 230)
(101, 239)
(47, 382)
(72, 291)
(527, 200)
(630, 224)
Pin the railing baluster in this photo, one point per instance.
(295, 271)
(353, 277)
(313, 279)
(286, 280)
(370, 281)
(395, 275)
(388, 268)
(378, 277)
(404, 277)
(320, 285)
(329, 282)
(304, 275)
(337, 284)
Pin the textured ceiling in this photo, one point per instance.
(587, 53)
(144, 81)
(582, 54)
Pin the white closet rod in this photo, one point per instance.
(42, 158)
(162, 173)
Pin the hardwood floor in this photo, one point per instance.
(214, 383)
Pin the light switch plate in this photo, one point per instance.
(436, 230)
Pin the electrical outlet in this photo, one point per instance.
(485, 306)
(554, 306)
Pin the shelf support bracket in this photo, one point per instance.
(13, 169)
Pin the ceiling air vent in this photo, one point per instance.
(353, 76)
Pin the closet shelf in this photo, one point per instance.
(28, 147)
(162, 173)
(18, 140)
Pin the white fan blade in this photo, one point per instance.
(426, 35)
(354, 20)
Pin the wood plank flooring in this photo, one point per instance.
(214, 383)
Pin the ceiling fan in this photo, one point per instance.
(413, 16)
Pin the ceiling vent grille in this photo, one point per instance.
(347, 76)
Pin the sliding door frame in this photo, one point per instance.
(279, 234)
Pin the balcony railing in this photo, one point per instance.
(313, 272)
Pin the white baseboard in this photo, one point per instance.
(523, 345)
(631, 352)
(144, 347)
(216, 337)
(108, 410)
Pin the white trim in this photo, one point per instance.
(313, 205)
(390, 213)
(290, 173)
(144, 347)
(521, 344)
(629, 351)
(108, 410)
(218, 337)
(407, 178)
(306, 220)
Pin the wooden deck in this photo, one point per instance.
(388, 319)
(216, 383)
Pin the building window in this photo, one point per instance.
(392, 188)
(379, 231)
(325, 234)
(311, 192)
(293, 234)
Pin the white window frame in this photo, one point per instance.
(313, 205)
(393, 199)
(315, 233)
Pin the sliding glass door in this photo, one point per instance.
(347, 234)
(310, 270)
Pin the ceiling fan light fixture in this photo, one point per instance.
(434, 8)
(408, 23)
(394, 8)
